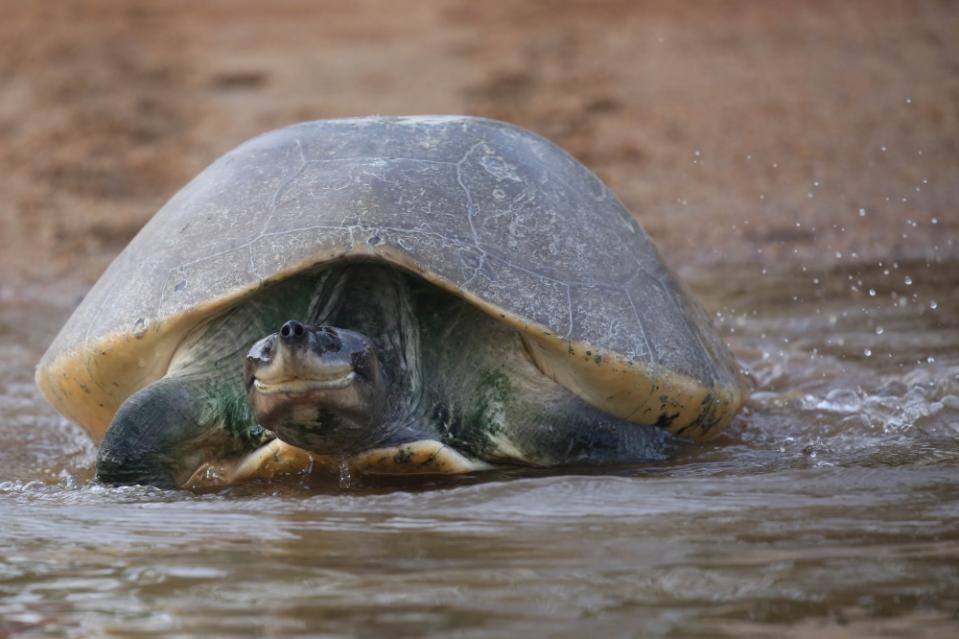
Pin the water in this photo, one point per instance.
(831, 508)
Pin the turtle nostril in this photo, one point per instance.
(292, 330)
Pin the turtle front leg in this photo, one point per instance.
(272, 460)
(164, 432)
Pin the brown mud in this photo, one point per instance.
(735, 132)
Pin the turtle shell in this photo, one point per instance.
(494, 213)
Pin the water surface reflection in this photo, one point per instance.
(831, 504)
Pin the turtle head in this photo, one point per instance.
(317, 387)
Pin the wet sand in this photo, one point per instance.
(736, 132)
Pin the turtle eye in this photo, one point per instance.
(249, 369)
(329, 340)
(358, 362)
(262, 351)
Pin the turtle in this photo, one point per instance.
(404, 295)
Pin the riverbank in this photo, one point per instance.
(735, 132)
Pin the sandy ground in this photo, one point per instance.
(735, 131)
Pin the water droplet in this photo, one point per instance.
(907, 280)
(935, 220)
(867, 352)
(862, 212)
(140, 327)
(880, 330)
(933, 304)
(872, 292)
(883, 148)
(931, 359)
(345, 478)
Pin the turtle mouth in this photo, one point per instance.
(298, 386)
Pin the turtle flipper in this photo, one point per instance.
(161, 434)
(279, 459)
(572, 432)
(272, 460)
(421, 457)
(522, 417)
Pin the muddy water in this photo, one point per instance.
(830, 509)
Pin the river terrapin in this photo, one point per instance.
(447, 294)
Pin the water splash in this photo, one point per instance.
(346, 479)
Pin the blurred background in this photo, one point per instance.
(796, 162)
(735, 131)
